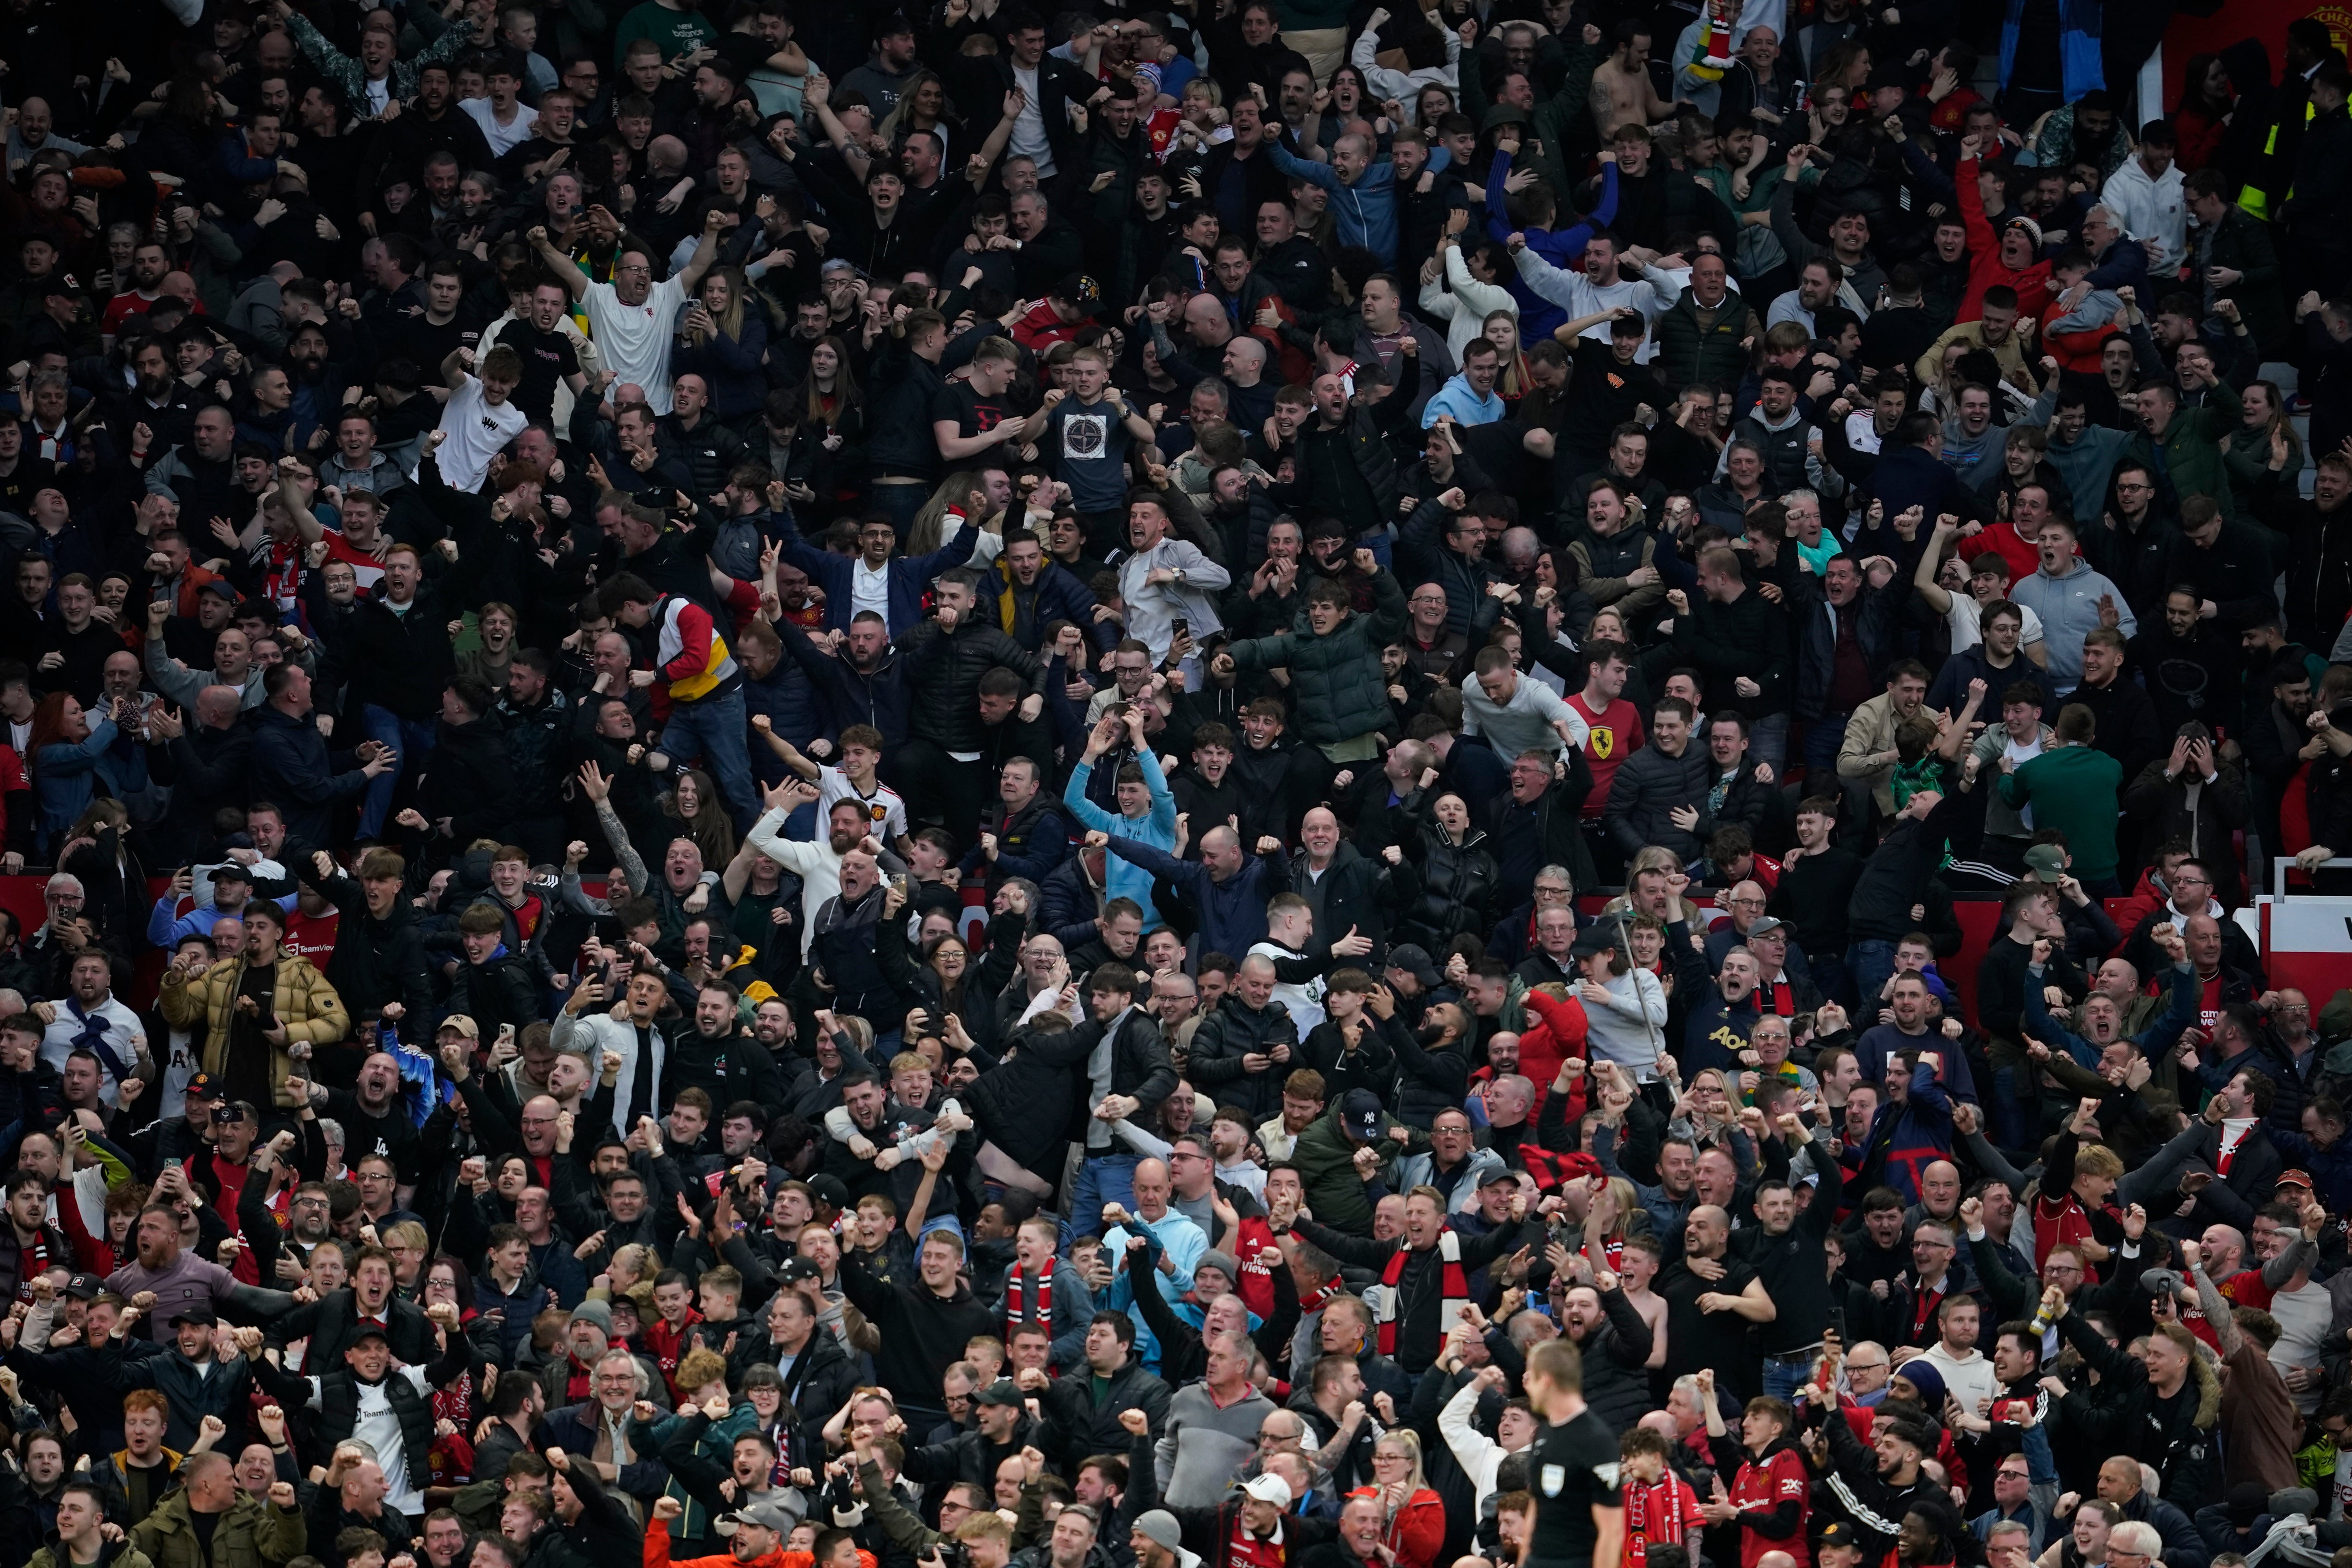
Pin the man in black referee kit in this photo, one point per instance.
(1572, 1468)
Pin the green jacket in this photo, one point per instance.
(351, 79)
(125, 1556)
(2073, 789)
(251, 1534)
(1325, 1162)
(1335, 678)
(2190, 452)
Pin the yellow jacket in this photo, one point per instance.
(303, 1002)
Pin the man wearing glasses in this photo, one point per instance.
(1867, 1369)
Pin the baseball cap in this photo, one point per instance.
(463, 1024)
(369, 1331)
(1001, 1392)
(829, 1190)
(2162, 1281)
(1499, 1173)
(1360, 1113)
(1766, 927)
(1268, 1489)
(1838, 1532)
(2295, 1179)
(1078, 289)
(230, 871)
(1598, 937)
(221, 588)
(1414, 960)
(2046, 862)
(197, 1312)
(781, 1510)
(204, 1087)
(84, 1287)
(794, 1269)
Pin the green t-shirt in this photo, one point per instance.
(677, 32)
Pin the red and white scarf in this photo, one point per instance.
(1017, 1308)
(1455, 1289)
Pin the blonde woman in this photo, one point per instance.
(1416, 1515)
(961, 501)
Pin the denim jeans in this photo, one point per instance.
(712, 731)
(411, 740)
(1102, 1179)
(899, 503)
(1782, 1378)
(1768, 742)
(1873, 961)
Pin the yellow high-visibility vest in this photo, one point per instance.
(2253, 198)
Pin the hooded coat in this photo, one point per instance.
(1335, 677)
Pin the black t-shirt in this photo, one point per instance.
(1697, 1339)
(249, 1054)
(206, 1524)
(426, 346)
(547, 359)
(1572, 1468)
(973, 415)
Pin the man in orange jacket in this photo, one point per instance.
(762, 1528)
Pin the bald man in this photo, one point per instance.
(1228, 886)
(1708, 1319)
(1182, 1243)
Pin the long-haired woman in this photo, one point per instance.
(725, 338)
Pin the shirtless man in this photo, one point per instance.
(1621, 89)
(1636, 1264)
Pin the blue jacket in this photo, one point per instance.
(2079, 23)
(731, 366)
(291, 767)
(1365, 211)
(1561, 247)
(65, 774)
(1233, 913)
(1058, 597)
(166, 933)
(2156, 1040)
(910, 575)
(1124, 879)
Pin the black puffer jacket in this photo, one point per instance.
(1649, 785)
(1236, 1029)
(535, 749)
(1448, 887)
(944, 669)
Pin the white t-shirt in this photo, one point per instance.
(503, 139)
(634, 340)
(884, 809)
(474, 430)
(1965, 619)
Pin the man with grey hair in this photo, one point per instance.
(599, 1425)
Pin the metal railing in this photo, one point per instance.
(2280, 867)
